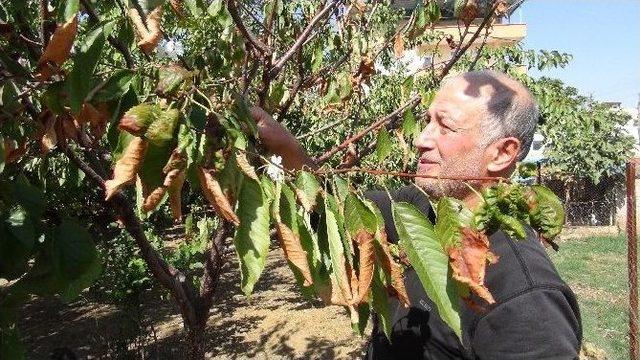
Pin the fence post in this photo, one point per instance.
(632, 246)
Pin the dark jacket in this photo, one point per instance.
(535, 316)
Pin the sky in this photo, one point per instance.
(602, 35)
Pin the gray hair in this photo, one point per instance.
(511, 109)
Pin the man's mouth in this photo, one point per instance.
(425, 164)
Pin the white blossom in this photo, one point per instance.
(82, 17)
(171, 49)
(274, 168)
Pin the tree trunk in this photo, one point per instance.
(196, 341)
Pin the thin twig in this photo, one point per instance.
(279, 64)
(479, 52)
(463, 49)
(255, 42)
(413, 102)
(410, 175)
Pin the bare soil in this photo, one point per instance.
(275, 323)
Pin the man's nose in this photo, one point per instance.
(426, 139)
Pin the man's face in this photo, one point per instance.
(451, 144)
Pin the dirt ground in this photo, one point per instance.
(276, 323)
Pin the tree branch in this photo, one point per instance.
(168, 276)
(213, 265)
(459, 52)
(279, 64)
(413, 102)
(255, 42)
(411, 175)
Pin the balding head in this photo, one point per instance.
(511, 110)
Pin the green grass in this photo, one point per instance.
(596, 270)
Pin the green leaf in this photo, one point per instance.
(148, 5)
(252, 235)
(383, 145)
(242, 113)
(429, 260)
(359, 215)
(71, 9)
(28, 196)
(215, 7)
(116, 85)
(451, 216)
(74, 249)
(74, 287)
(162, 131)
(336, 247)
(195, 7)
(17, 238)
(10, 345)
(409, 125)
(380, 302)
(360, 322)
(80, 80)
(308, 188)
(549, 215)
(171, 77)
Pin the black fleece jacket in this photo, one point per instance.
(535, 316)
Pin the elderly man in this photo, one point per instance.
(481, 124)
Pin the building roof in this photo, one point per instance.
(447, 6)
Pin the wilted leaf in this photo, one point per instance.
(429, 260)
(367, 257)
(174, 182)
(151, 34)
(126, 167)
(176, 5)
(96, 117)
(213, 192)
(58, 49)
(170, 79)
(137, 120)
(152, 197)
(49, 137)
(469, 260)
(391, 267)
(466, 10)
(245, 166)
(293, 251)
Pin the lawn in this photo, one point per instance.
(596, 269)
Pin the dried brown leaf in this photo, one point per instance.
(176, 5)
(398, 46)
(393, 269)
(469, 12)
(152, 197)
(213, 192)
(245, 166)
(97, 118)
(290, 243)
(468, 262)
(151, 34)
(367, 259)
(174, 182)
(127, 167)
(58, 49)
(49, 138)
(501, 8)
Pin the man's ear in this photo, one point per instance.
(504, 153)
